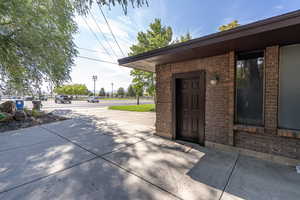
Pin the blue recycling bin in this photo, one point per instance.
(20, 104)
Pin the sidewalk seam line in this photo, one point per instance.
(46, 176)
(138, 176)
(115, 164)
(53, 132)
(96, 156)
(230, 175)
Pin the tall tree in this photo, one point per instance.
(183, 38)
(102, 92)
(157, 36)
(36, 40)
(230, 25)
(130, 91)
(121, 92)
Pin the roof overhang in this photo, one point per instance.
(279, 30)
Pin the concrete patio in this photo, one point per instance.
(105, 154)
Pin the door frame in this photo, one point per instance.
(195, 74)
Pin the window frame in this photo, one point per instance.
(280, 88)
(263, 90)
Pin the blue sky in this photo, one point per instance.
(199, 17)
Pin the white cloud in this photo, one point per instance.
(279, 7)
(125, 19)
(115, 26)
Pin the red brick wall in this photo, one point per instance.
(217, 98)
(266, 143)
(219, 119)
(271, 88)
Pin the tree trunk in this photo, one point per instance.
(138, 100)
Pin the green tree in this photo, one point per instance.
(74, 89)
(230, 25)
(80, 89)
(183, 38)
(90, 93)
(157, 36)
(138, 85)
(102, 92)
(130, 91)
(36, 40)
(121, 92)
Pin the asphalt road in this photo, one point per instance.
(83, 104)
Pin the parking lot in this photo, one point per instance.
(51, 105)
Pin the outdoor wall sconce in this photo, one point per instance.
(214, 79)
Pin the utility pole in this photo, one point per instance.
(112, 89)
(95, 77)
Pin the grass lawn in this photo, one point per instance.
(136, 108)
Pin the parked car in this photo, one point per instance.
(62, 99)
(43, 98)
(93, 100)
(28, 98)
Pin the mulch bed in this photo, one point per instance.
(29, 122)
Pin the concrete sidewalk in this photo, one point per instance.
(103, 154)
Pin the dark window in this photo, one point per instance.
(289, 98)
(249, 88)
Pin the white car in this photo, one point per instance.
(93, 100)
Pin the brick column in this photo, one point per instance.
(164, 101)
(271, 89)
(231, 88)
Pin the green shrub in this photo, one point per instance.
(36, 113)
(2, 116)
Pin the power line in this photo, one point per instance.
(98, 60)
(90, 50)
(110, 29)
(86, 49)
(94, 19)
(96, 37)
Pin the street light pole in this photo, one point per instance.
(95, 79)
(112, 89)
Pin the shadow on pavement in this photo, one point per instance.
(132, 163)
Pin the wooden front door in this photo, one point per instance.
(190, 107)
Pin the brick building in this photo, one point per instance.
(238, 89)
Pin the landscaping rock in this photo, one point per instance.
(20, 115)
(13, 124)
(8, 107)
